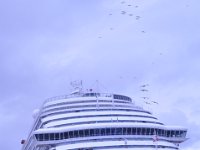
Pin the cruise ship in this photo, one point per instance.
(99, 121)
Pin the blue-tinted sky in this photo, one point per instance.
(46, 44)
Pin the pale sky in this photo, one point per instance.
(46, 44)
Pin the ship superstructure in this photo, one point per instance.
(99, 121)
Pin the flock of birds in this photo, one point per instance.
(127, 6)
(126, 12)
(145, 98)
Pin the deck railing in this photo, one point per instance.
(78, 95)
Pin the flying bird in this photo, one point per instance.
(147, 103)
(137, 17)
(123, 12)
(130, 14)
(144, 90)
(145, 97)
(154, 102)
(144, 85)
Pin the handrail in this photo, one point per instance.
(78, 95)
(88, 94)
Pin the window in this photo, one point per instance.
(173, 133)
(96, 132)
(51, 135)
(184, 133)
(92, 132)
(143, 131)
(159, 132)
(108, 131)
(138, 131)
(163, 133)
(134, 131)
(118, 131)
(37, 137)
(112, 131)
(181, 134)
(155, 131)
(148, 131)
(76, 134)
(61, 136)
(81, 133)
(46, 137)
(87, 133)
(66, 135)
(128, 131)
(40, 137)
(124, 131)
(168, 133)
(57, 136)
(103, 131)
(70, 134)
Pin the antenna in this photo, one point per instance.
(77, 86)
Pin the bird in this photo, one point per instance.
(145, 97)
(154, 102)
(110, 14)
(143, 31)
(99, 37)
(122, 2)
(137, 17)
(144, 90)
(147, 103)
(123, 12)
(144, 85)
(136, 6)
(129, 5)
(130, 14)
(111, 28)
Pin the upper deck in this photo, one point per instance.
(53, 100)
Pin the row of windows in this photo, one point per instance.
(106, 121)
(109, 131)
(115, 96)
(45, 114)
(88, 101)
(96, 95)
(96, 116)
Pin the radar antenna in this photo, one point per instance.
(77, 86)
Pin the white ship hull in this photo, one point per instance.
(96, 121)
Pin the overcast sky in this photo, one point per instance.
(46, 44)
